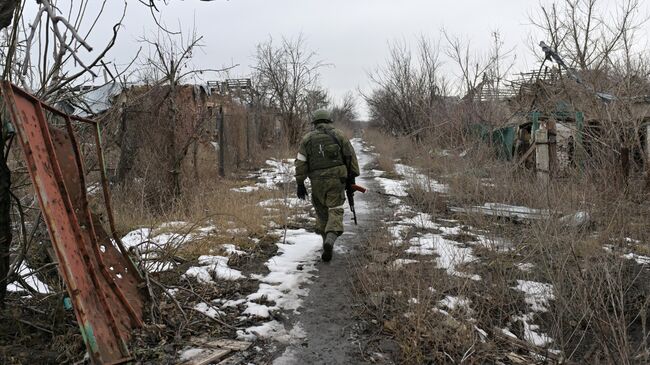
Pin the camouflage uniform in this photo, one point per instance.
(320, 159)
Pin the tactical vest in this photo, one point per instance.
(324, 151)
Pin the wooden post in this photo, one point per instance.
(647, 152)
(248, 136)
(551, 133)
(647, 141)
(222, 142)
(542, 154)
(6, 233)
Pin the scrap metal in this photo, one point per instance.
(103, 283)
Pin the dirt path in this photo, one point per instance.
(327, 331)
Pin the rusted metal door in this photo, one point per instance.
(103, 283)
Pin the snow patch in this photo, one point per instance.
(30, 279)
(399, 263)
(537, 295)
(393, 187)
(246, 189)
(454, 303)
(212, 267)
(450, 254)
(208, 310)
(189, 354)
(419, 180)
(276, 173)
(283, 284)
(532, 333)
(642, 260)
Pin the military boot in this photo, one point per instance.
(328, 246)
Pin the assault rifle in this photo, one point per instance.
(350, 193)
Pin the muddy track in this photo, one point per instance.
(329, 332)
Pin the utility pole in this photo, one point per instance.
(222, 142)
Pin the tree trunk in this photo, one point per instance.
(625, 165)
(7, 9)
(5, 222)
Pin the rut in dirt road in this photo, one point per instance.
(326, 320)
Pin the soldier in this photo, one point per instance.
(327, 158)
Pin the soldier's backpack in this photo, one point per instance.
(324, 150)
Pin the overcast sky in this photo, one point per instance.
(351, 35)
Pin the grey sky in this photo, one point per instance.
(352, 35)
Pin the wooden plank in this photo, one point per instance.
(230, 344)
(207, 357)
(225, 343)
(236, 359)
(526, 155)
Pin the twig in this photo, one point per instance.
(170, 297)
(212, 318)
(35, 326)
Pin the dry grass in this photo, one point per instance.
(600, 311)
(209, 202)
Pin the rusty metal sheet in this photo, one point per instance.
(103, 283)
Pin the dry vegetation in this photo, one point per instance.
(593, 216)
(601, 304)
(160, 148)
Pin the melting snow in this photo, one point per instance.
(283, 284)
(31, 280)
(393, 187)
(422, 221)
(288, 202)
(420, 180)
(213, 265)
(537, 294)
(450, 254)
(189, 354)
(278, 172)
(149, 241)
(246, 189)
(531, 331)
(232, 249)
(454, 303)
(399, 263)
(525, 266)
(208, 310)
(643, 260)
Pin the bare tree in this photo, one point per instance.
(408, 90)
(599, 47)
(50, 54)
(47, 56)
(471, 65)
(287, 73)
(346, 111)
(167, 64)
(587, 32)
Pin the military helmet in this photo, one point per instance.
(321, 115)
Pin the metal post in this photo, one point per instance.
(222, 142)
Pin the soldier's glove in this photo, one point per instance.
(349, 182)
(301, 191)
